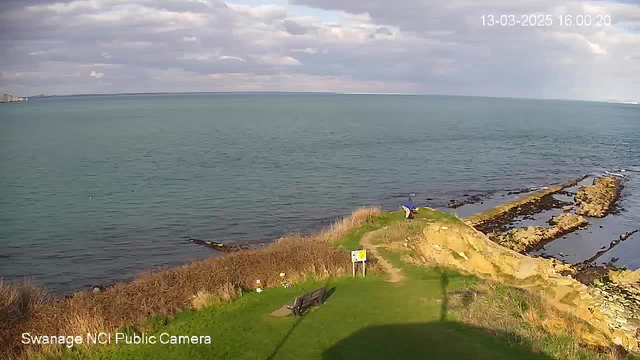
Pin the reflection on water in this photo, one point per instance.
(94, 189)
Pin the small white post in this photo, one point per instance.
(353, 264)
(363, 268)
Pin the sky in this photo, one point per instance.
(355, 46)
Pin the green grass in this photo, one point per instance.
(363, 318)
(351, 241)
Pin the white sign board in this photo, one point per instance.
(358, 255)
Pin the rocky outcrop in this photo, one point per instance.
(226, 248)
(599, 199)
(523, 240)
(619, 299)
(496, 219)
(464, 248)
(469, 199)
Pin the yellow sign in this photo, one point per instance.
(358, 255)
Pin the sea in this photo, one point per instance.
(95, 189)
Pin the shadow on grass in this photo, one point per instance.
(273, 354)
(284, 339)
(436, 340)
(444, 282)
(328, 294)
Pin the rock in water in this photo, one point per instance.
(599, 199)
(526, 239)
(626, 235)
(227, 248)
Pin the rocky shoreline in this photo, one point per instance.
(524, 240)
(599, 199)
(497, 219)
(596, 200)
(610, 298)
(610, 304)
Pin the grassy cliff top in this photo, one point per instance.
(431, 313)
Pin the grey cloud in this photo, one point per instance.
(295, 28)
(383, 30)
(407, 46)
(531, 57)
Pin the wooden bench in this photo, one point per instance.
(303, 302)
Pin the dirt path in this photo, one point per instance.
(394, 273)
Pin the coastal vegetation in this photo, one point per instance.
(27, 308)
(423, 315)
(433, 280)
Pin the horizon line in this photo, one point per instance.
(315, 93)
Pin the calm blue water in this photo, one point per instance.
(95, 189)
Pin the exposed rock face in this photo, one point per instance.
(526, 239)
(469, 250)
(599, 199)
(620, 291)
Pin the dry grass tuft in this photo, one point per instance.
(17, 304)
(339, 228)
(399, 232)
(224, 294)
(25, 308)
(521, 317)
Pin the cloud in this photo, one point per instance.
(381, 32)
(224, 57)
(295, 28)
(277, 60)
(421, 46)
(306, 50)
(96, 75)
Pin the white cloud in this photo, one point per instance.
(277, 60)
(224, 57)
(100, 65)
(263, 12)
(596, 49)
(96, 75)
(306, 50)
(66, 7)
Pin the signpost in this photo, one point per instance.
(358, 256)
